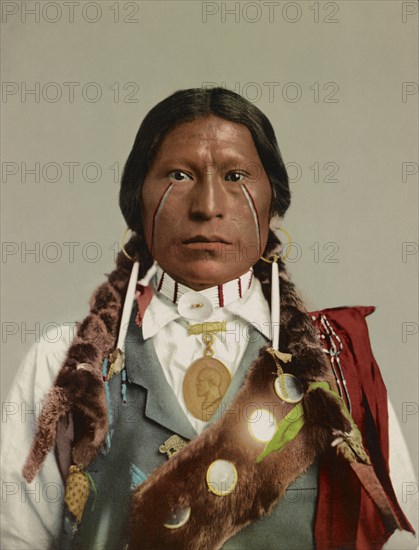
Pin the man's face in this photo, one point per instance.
(205, 203)
(202, 386)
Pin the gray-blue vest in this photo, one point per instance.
(150, 416)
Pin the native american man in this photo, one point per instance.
(200, 406)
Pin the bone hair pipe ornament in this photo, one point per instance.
(287, 386)
(275, 303)
(117, 357)
(126, 312)
(276, 296)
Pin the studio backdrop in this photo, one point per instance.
(338, 80)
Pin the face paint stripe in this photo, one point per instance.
(254, 212)
(157, 212)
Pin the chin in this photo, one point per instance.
(207, 272)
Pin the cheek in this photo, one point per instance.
(264, 218)
(157, 211)
(259, 198)
(148, 200)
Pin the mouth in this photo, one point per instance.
(201, 239)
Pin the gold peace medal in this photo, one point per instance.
(204, 386)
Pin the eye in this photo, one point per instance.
(178, 175)
(236, 176)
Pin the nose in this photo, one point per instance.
(208, 199)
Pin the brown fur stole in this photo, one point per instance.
(181, 482)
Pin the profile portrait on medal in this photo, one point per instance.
(204, 388)
(208, 385)
(203, 261)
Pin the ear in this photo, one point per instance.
(275, 222)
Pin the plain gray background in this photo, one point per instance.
(338, 80)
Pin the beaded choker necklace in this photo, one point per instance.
(199, 305)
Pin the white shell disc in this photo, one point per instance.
(178, 518)
(262, 425)
(195, 306)
(293, 389)
(222, 477)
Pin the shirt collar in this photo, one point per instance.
(251, 308)
(218, 296)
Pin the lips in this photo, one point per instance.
(206, 239)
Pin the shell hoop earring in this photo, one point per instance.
(123, 245)
(285, 256)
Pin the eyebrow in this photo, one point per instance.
(229, 159)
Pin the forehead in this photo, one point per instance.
(209, 134)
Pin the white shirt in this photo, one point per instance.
(32, 512)
(176, 350)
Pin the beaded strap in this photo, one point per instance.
(333, 347)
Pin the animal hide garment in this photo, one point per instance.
(181, 482)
